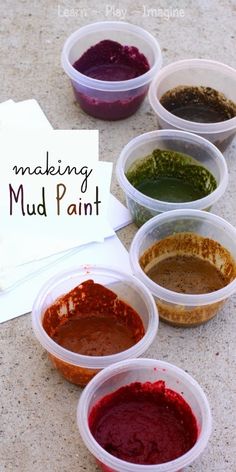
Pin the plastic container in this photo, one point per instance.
(196, 72)
(181, 309)
(144, 370)
(105, 99)
(143, 207)
(77, 368)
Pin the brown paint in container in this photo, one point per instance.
(187, 259)
(188, 263)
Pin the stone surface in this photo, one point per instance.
(38, 408)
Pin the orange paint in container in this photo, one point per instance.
(92, 321)
(88, 323)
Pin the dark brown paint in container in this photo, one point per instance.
(199, 104)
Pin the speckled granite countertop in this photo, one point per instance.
(38, 425)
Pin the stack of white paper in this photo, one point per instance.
(20, 280)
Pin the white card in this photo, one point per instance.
(84, 184)
(25, 114)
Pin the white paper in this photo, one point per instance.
(11, 277)
(27, 238)
(118, 215)
(25, 114)
(29, 113)
(20, 300)
(4, 106)
(23, 282)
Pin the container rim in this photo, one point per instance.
(123, 466)
(158, 205)
(166, 294)
(94, 362)
(186, 125)
(105, 85)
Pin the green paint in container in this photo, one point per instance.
(169, 176)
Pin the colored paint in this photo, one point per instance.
(187, 274)
(168, 176)
(144, 423)
(110, 61)
(199, 104)
(95, 322)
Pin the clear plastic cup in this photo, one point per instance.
(183, 309)
(142, 207)
(77, 368)
(106, 99)
(196, 72)
(144, 370)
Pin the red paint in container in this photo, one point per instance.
(110, 61)
(146, 411)
(144, 423)
(111, 65)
